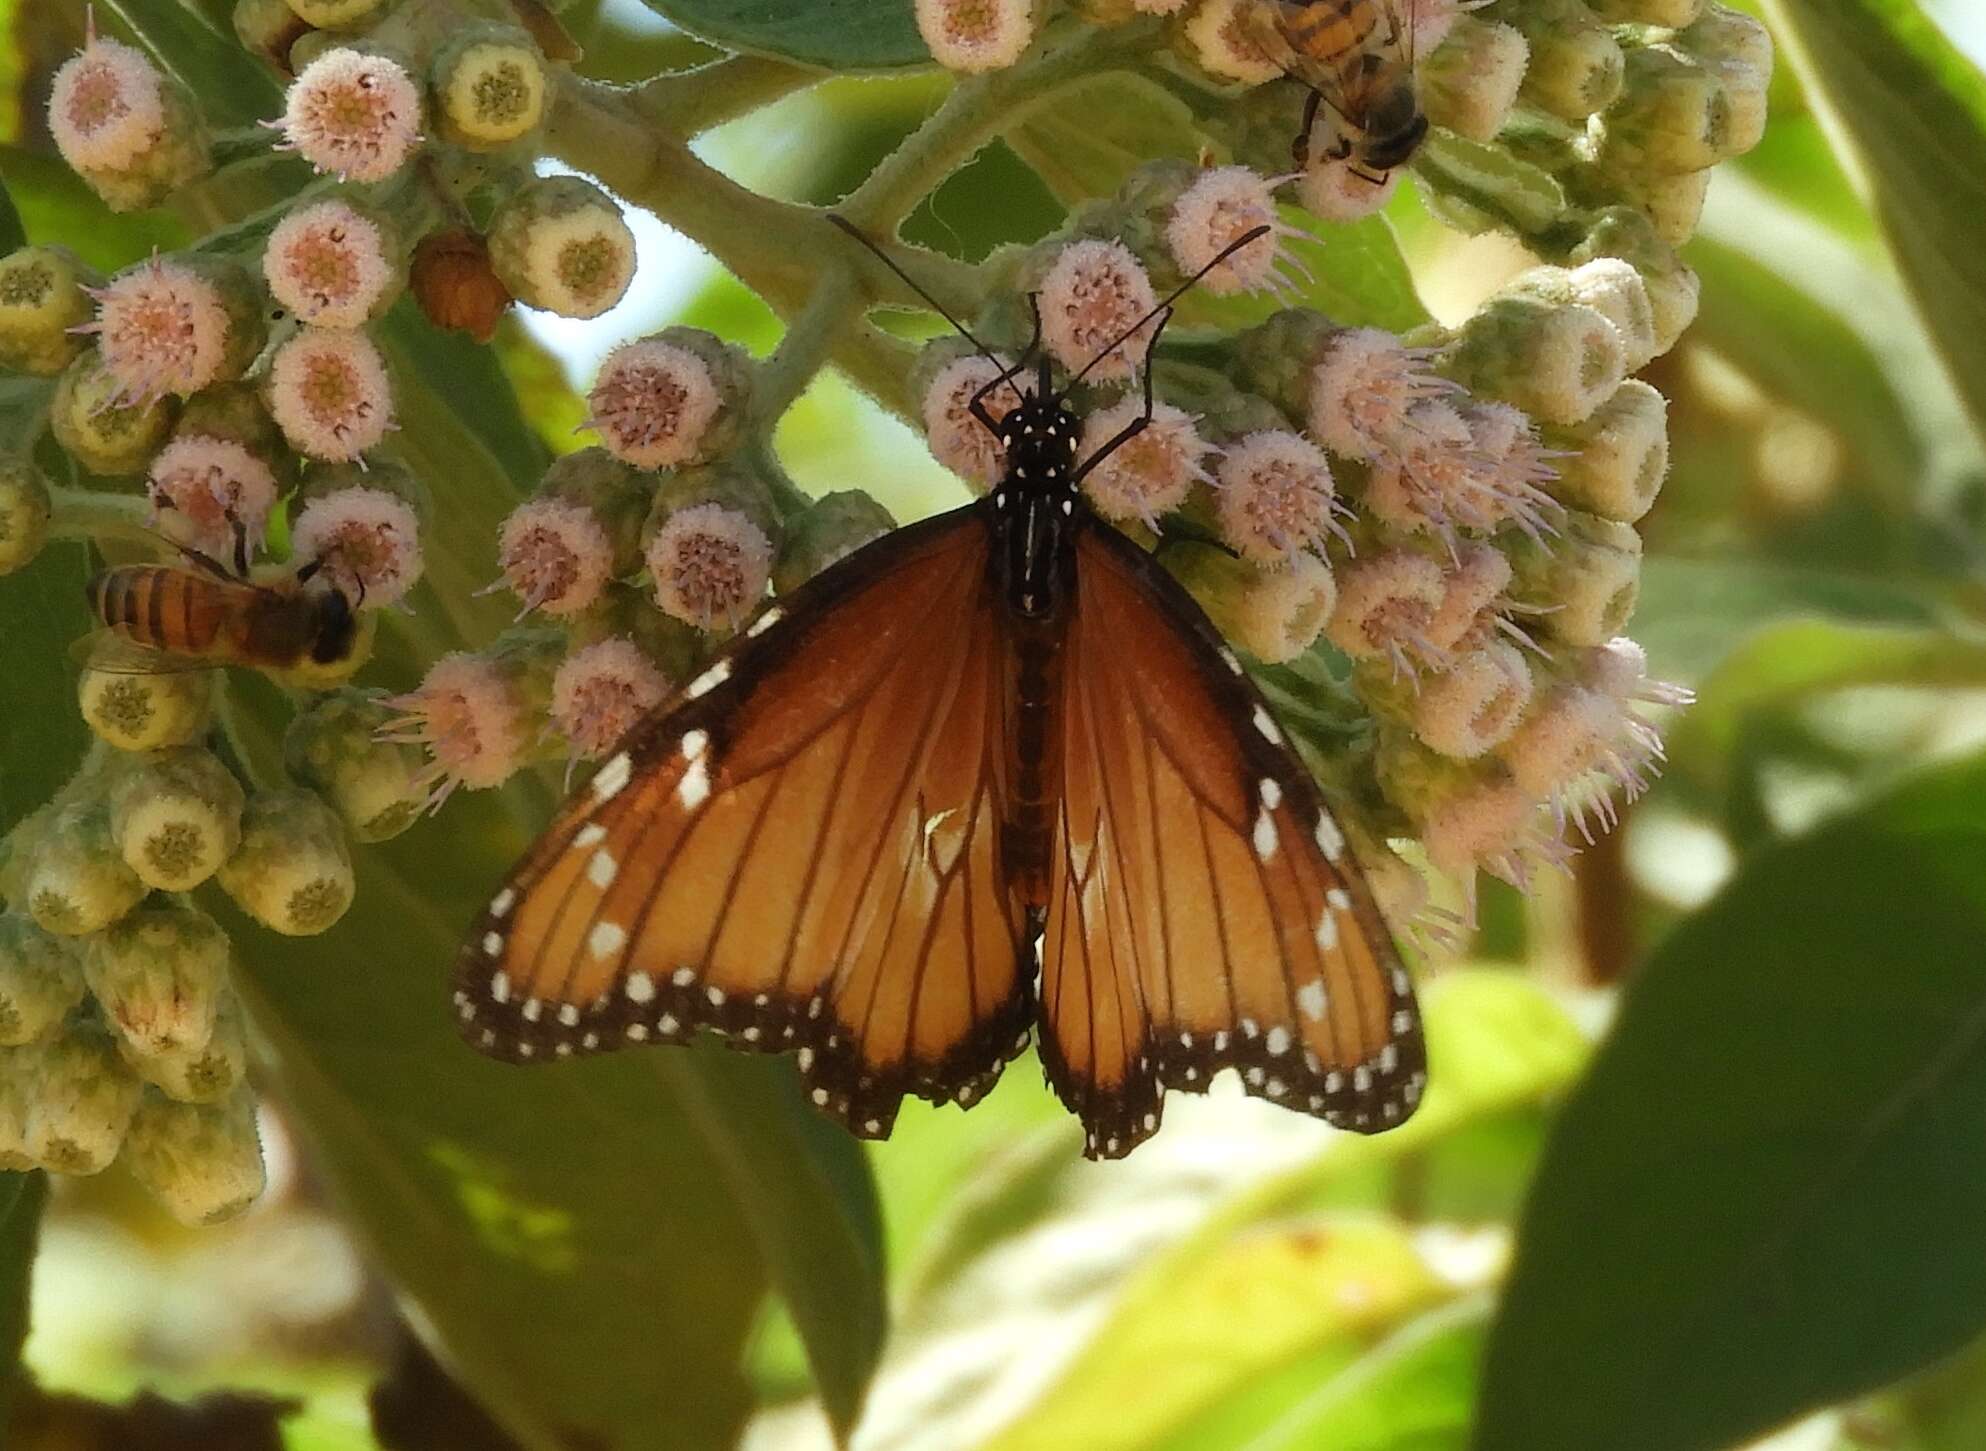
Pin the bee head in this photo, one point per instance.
(1395, 128)
(337, 627)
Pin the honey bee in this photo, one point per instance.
(1357, 58)
(184, 618)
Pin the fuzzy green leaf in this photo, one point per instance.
(21, 1200)
(232, 89)
(1767, 1195)
(1910, 109)
(841, 35)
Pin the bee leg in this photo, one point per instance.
(307, 571)
(1137, 425)
(1300, 148)
(977, 407)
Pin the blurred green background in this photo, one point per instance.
(1736, 1063)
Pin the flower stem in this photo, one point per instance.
(686, 103)
(91, 514)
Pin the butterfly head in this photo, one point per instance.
(1040, 438)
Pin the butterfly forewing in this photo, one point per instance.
(1204, 912)
(801, 852)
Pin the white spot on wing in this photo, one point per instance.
(612, 778)
(1327, 929)
(640, 986)
(1339, 899)
(602, 870)
(1266, 723)
(1272, 794)
(1265, 836)
(492, 944)
(503, 901)
(1330, 840)
(1278, 1041)
(715, 676)
(765, 622)
(1312, 998)
(500, 987)
(1231, 660)
(590, 833)
(694, 789)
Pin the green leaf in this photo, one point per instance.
(232, 89)
(42, 735)
(1910, 110)
(1767, 1194)
(840, 35)
(21, 1199)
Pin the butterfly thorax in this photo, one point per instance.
(1035, 513)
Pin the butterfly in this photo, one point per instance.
(844, 837)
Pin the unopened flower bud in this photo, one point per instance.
(1474, 704)
(973, 36)
(101, 434)
(1673, 202)
(1673, 289)
(1470, 83)
(601, 691)
(670, 400)
(1556, 362)
(1092, 294)
(80, 1101)
(353, 115)
(18, 1069)
(560, 244)
(204, 1074)
(1587, 579)
(1723, 35)
(1669, 14)
(334, 748)
(64, 868)
(176, 817)
(145, 712)
(946, 378)
(1673, 115)
(24, 514)
(293, 870)
(203, 1162)
(1150, 475)
(336, 14)
(1219, 35)
(1478, 577)
(1341, 190)
(367, 540)
(157, 974)
(1576, 66)
(1616, 460)
(1275, 496)
(41, 979)
(1273, 614)
(833, 527)
(128, 131)
(1611, 288)
(43, 300)
(452, 280)
(333, 263)
(489, 86)
(267, 29)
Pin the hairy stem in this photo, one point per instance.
(687, 103)
(91, 514)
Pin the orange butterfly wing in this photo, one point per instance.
(1204, 911)
(801, 852)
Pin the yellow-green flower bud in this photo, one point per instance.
(176, 818)
(203, 1162)
(1670, 14)
(561, 244)
(80, 1101)
(1274, 614)
(489, 86)
(234, 411)
(205, 1074)
(1587, 579)
(1673, 115)
(1415, 777)
(375, 786)
(1611, 288)
(383, 475)
(41, 979)
(1471, 81)
(1722, 35)
(145, 712)
(1577, 68)
(24, 511)
(42, 298)
(1278, 359)
(1557, 362)
(293, 871)
(335, 14)
(64, 868)
(1673, 289)
(675, 647)
(101, 434)
(616, 494)
(832, 528)
(267, 29)
(1616, 460)
(158, 974)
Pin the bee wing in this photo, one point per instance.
(1318, 45)
(109, 653)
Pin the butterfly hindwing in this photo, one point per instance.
(1204, 910)
(800, 852)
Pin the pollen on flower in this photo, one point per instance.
(1363, 389)
(327, 264)
(600, 691)
(1221, 206)
(1090, 299)
(652, 403)
(1150, 475)
(106, 107)
(367, 540)
(1474, 704)
(555, 555)
(958, 440)
(1219, 32)
(354, 115)
(161, 328)
(1342, 191)
(1276, 496)
(469, 718)
(1386, 605)
(329, 393)
(205, 489)
(710, 565)
(976, 35)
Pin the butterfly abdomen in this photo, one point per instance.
(1035, 771)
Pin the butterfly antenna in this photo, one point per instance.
(935, 305)
(1253, 235)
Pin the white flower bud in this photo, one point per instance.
(66, 871)
(205, 1074)
(561, 244)
(1474, 704)
(41, 980)
(1273, 614)
(1616, 461)
(203, 1162)
(293, 870)
(490, 87)
(25, 509)
(1556, 362)
(176, 817)
(44, 299)
(145, 712)
(80, 1101)
(975, 35)
(158, 974)
(1219, 34)
(1470, 83)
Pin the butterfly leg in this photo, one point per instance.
(1137, 425)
